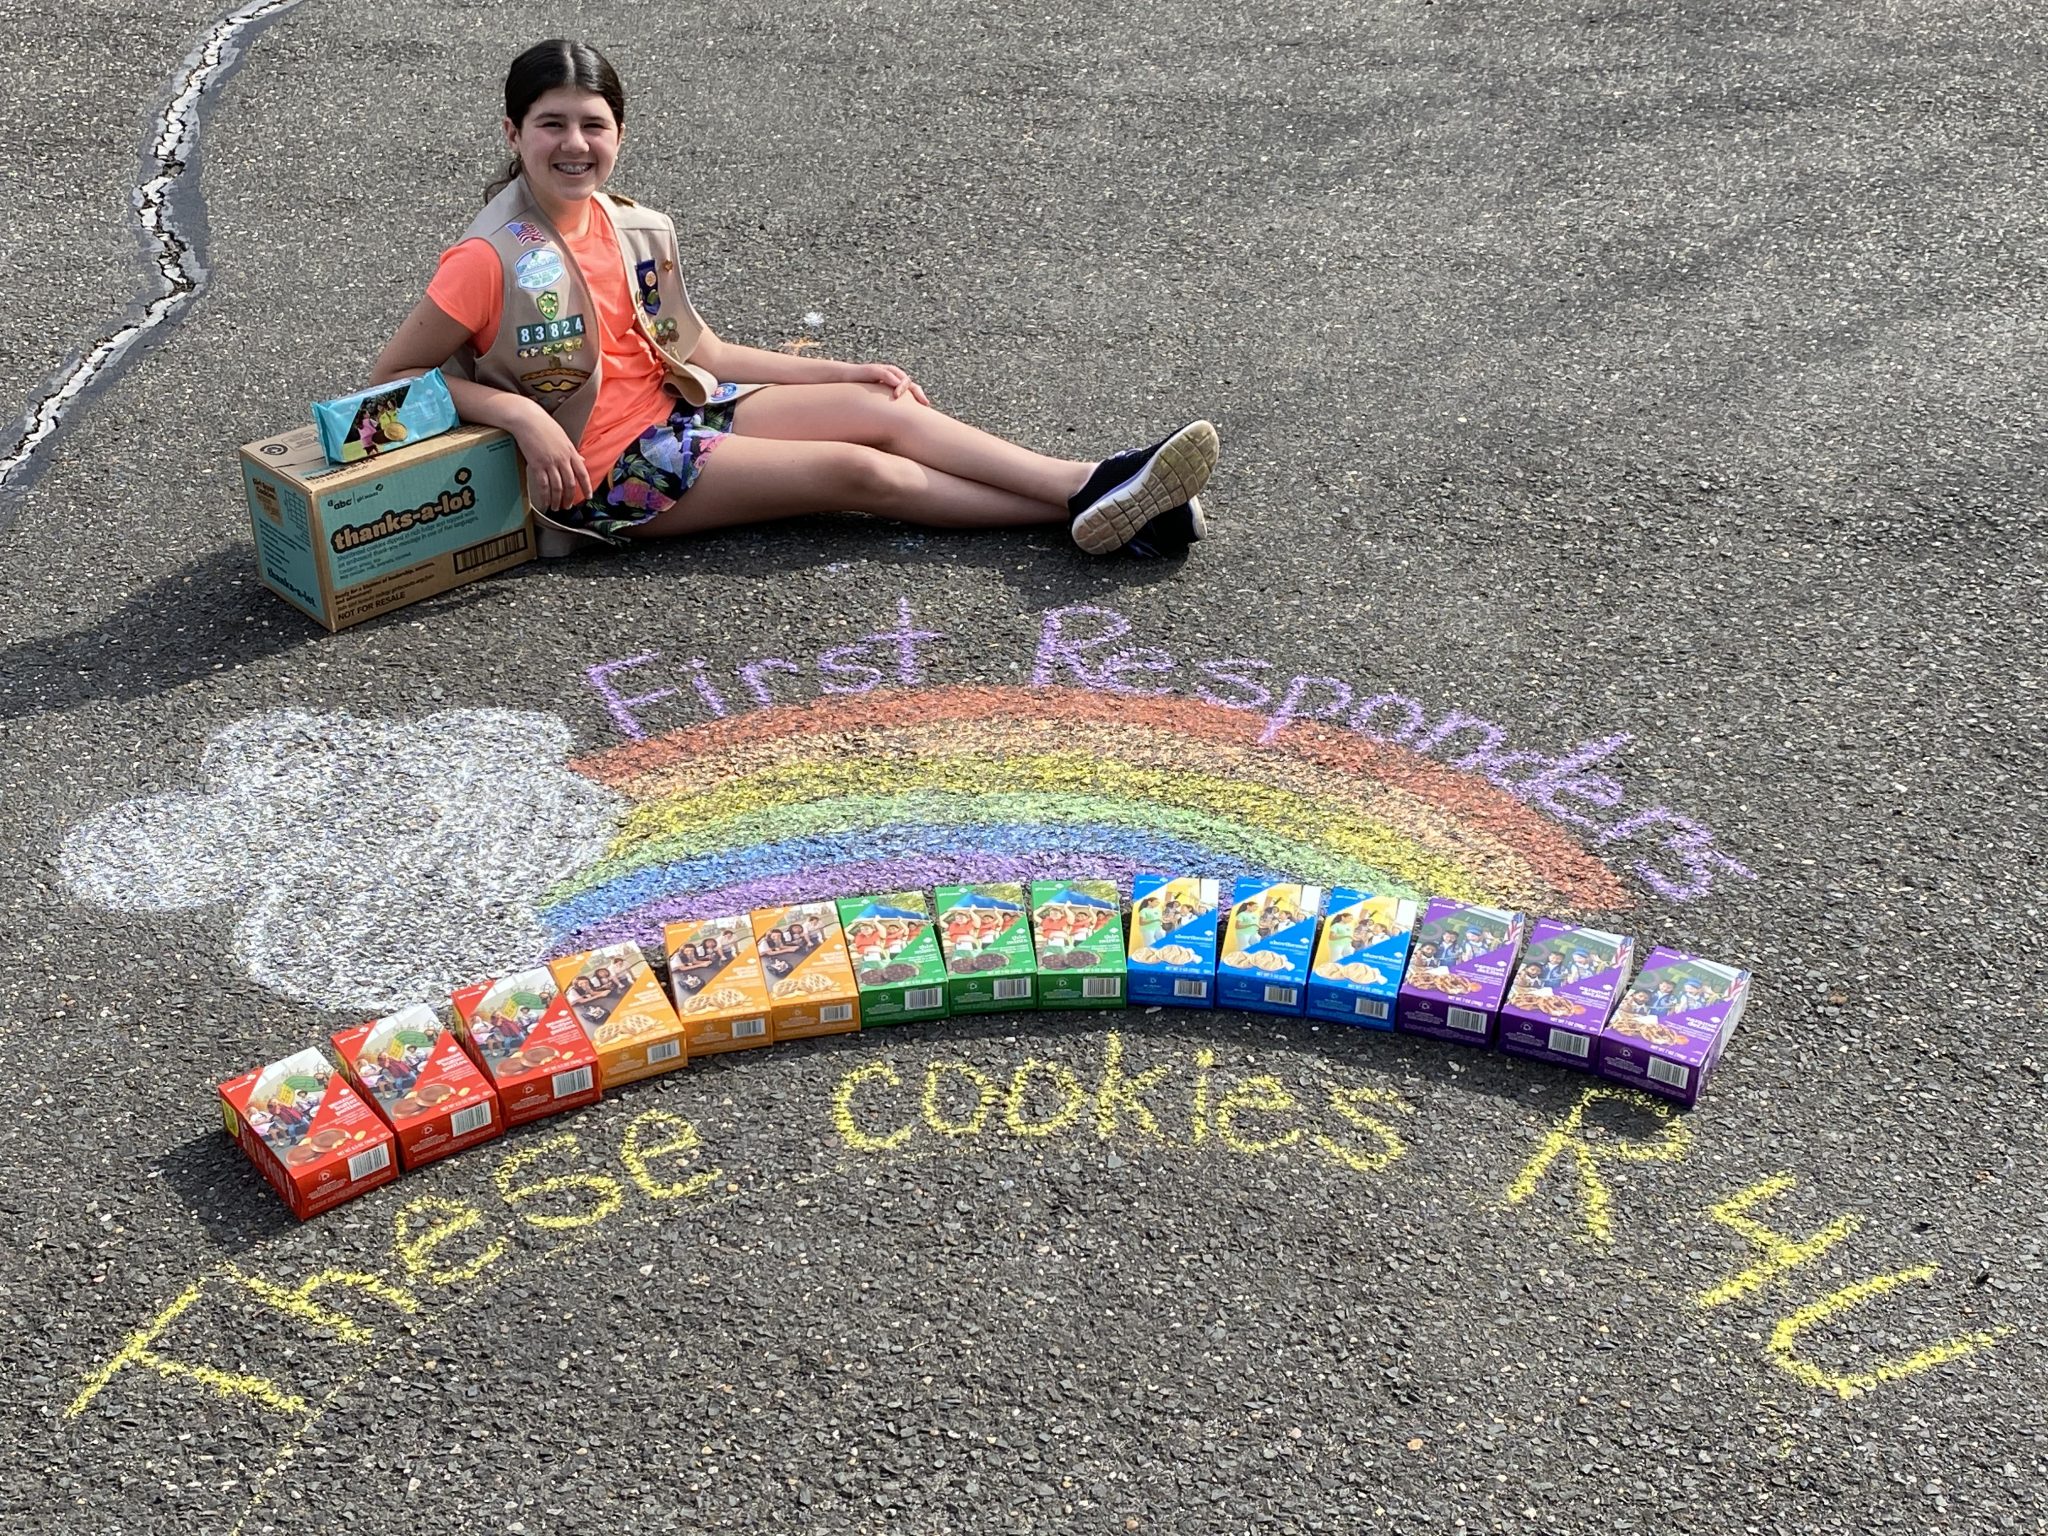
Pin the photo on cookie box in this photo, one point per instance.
(1672, 1023)
(1360, 958)
(895, 956)
(1564, 990)
(1172, 956)
(698, 951)
(1267, 939)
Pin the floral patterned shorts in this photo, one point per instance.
(652, 475)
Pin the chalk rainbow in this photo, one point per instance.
(908, 788)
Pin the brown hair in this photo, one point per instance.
(542, 68)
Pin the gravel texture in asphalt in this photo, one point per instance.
(1661, 384)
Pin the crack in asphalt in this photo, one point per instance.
(169, 233)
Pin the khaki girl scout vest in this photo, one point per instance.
(547, 344)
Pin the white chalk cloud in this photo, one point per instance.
(374, 862)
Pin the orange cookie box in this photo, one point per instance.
(811, 990)
(520, 1031)
(315, 1141)
(715, 973)
(414, 1072)
(618, 1000)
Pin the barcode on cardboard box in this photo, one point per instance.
(835, 1013)
(1669, 1073)
(1369, 1007)
(1470, 1020)
(1102, 986)
(567, 1083)
(1568, 1043)
(363, 1164)
(747, 1029)
(666, 1050)
(490, 549)
(924, 997)
(474, 1118)
(1011, 987)
(1282, 994)
(1191, 989)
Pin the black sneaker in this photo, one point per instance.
(1170, 533)
(1129, 490)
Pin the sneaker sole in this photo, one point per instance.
(1174, 474)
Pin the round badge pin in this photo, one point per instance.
(538, 269)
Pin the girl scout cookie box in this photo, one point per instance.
(346, 544)
(1173, 940)
(1360, 957)
(520, 1031)
(1078, 928)
(1458, 971)
(987, 942)
(811, 990)
(1563, 991)
(714, 974)
(362, 425)
(303, 1126)
(1266, 943)
(1672, 1024)
(896, 960)
(416, 1075)
(618, 1000)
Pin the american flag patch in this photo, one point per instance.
(525, 233)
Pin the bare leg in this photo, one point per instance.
(760, 479)
(866, 414)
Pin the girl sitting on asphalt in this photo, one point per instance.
(561, 316)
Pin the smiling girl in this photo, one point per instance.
(562, 317)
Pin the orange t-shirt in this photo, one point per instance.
(469, 288)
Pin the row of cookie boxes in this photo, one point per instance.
(411, 1090)
(1476, 975)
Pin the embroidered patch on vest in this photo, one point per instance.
(664, 330)
(525, 233)
(538, 269)
(650, 288)
(563, 335)
(553, 381)
(549, 304)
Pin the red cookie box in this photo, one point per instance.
(315, 1141)
(520, 1031)
(414, 1072)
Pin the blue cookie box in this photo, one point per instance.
(1154, 982)
(1369, 1005)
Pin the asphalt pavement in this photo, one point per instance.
(1667, 379)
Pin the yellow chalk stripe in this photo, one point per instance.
(1109, 751)
(934, 1109)
(1596, 1200)
(297, 1301)
(842, 1109)
(1785, 1338)
(137, 1351)
(925, 807)
(652, 829)
(1780, 1252)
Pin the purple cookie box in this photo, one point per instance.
(1677, 1070)
(1573, 1040)
(1424, 1011)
